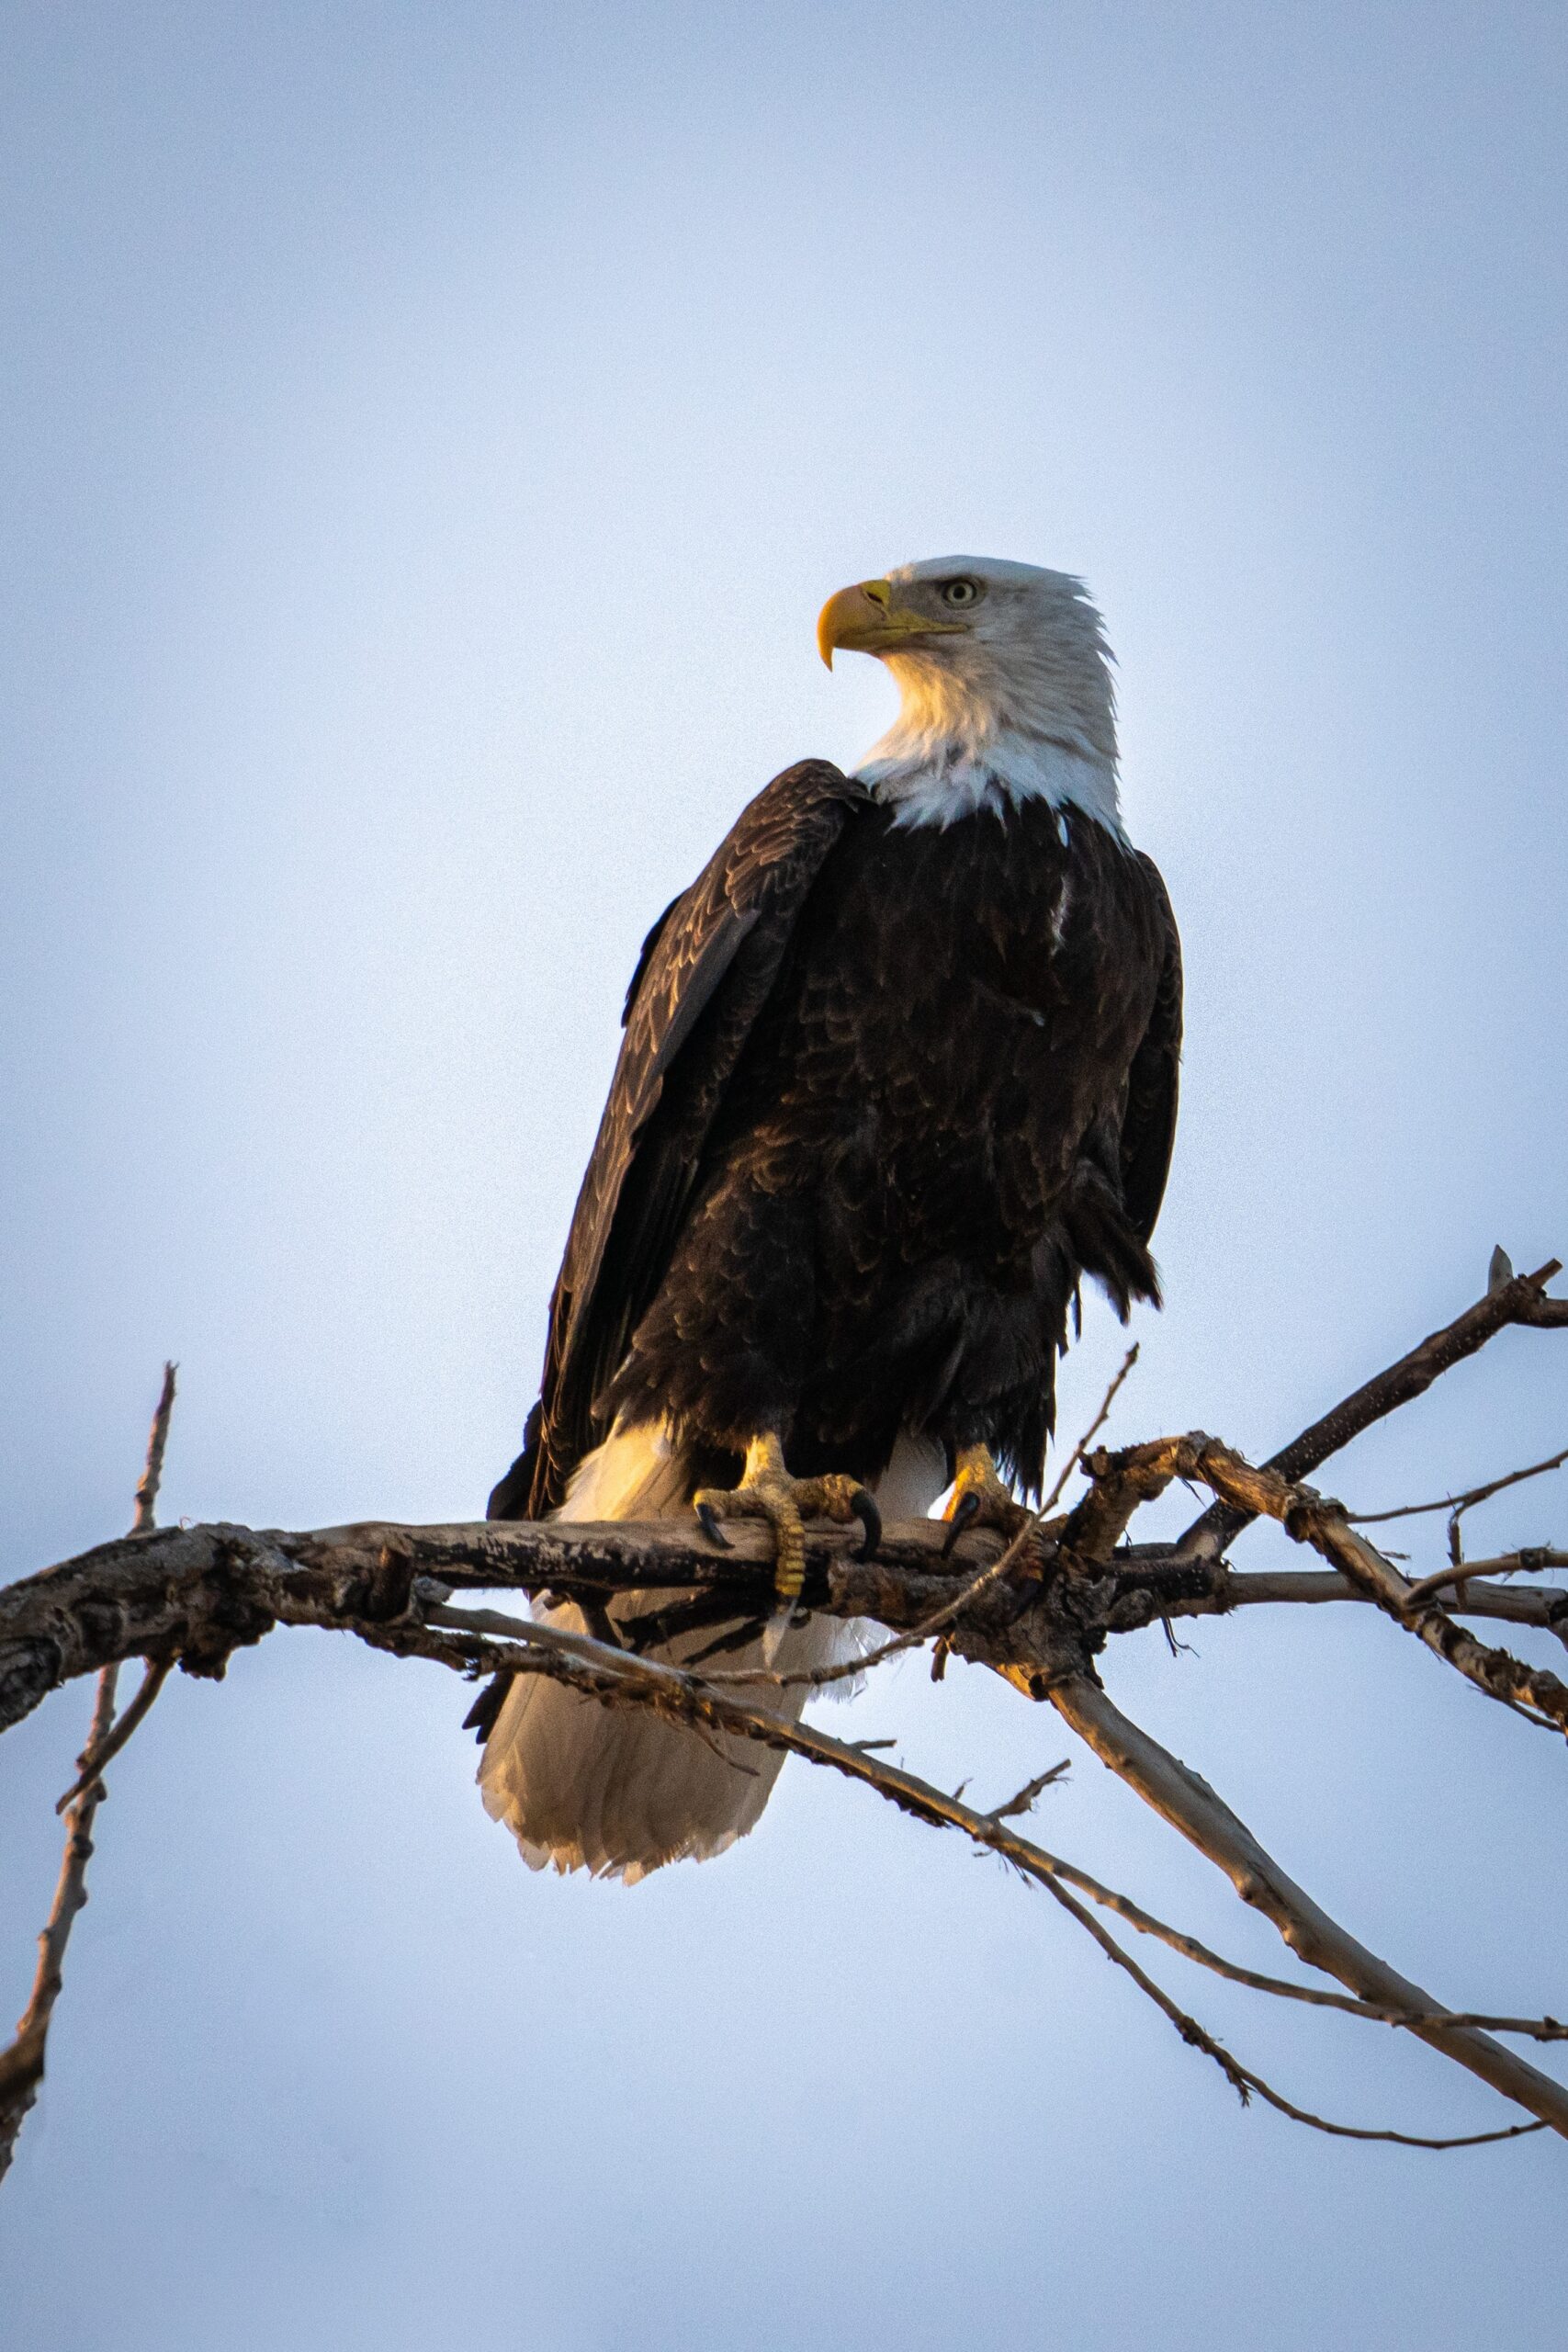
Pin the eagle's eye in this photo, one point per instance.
(959, 592)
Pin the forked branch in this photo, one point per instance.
(1144, 1471)
(684, 1698)
(1191, 1806)
(1038, 1613)
(1521, 1299)
(21, 2064)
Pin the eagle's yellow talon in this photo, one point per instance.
(980, 1499)
(767, 1491)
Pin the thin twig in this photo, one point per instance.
(1310, 1518)
(152, 1477)
(1545, 2028)
(1181, 1797)
(1024, 1800)
(1521, 1300)
(1456, 1504)
(22, 2064)
(1077, 1455)
(684, 1698)
(1243, 2080)
(1529, 1562)
(97, 1756)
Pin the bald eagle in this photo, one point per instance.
(899, 1069)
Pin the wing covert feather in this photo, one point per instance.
(705, 972)
(1148, 1125)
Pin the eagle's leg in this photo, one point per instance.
(980, 1499)
(767, 1491)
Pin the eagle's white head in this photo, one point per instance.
(1006, 680)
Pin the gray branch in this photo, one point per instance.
(1181, 1797)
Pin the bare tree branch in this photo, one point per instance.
(1024, 1802)
(1546, 2029)
(192, 1596)
(202, 1592)
(1242, 2079)
(21, 2064)
(213, 1588)
(1531, 1561)
(1457, 1504)
(1520, 1300)
(588, 1665)
(152, 1476)
(1310, 1518)
(1252, 1588)
(1191, 1806)
(102, 1751)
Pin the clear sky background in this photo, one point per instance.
(427, 435)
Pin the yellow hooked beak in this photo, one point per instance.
(864, 619)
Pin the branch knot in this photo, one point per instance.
(229, 1615)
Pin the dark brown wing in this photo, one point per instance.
(706, 968)
(1148, 1125)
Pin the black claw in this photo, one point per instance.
(965, 1511)
(865, 1510)
(709, 1518)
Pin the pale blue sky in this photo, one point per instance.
(427, 437)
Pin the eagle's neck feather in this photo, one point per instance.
(1000, 729)
(947, 783)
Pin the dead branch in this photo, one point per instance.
(1037, 1612)
(200, 1593)
(1141, 1472)
(214, 1588)
(103, 1751)
(1252, 1588)
(1531, 1561)
(1024, 1802)
(152, 1476)
(21, 2065)
(1456, 1505)
(1191, 1806)
(684, 1698)
(1281, 1988)
(1520, 1300)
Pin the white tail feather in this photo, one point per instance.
(616, 1792)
